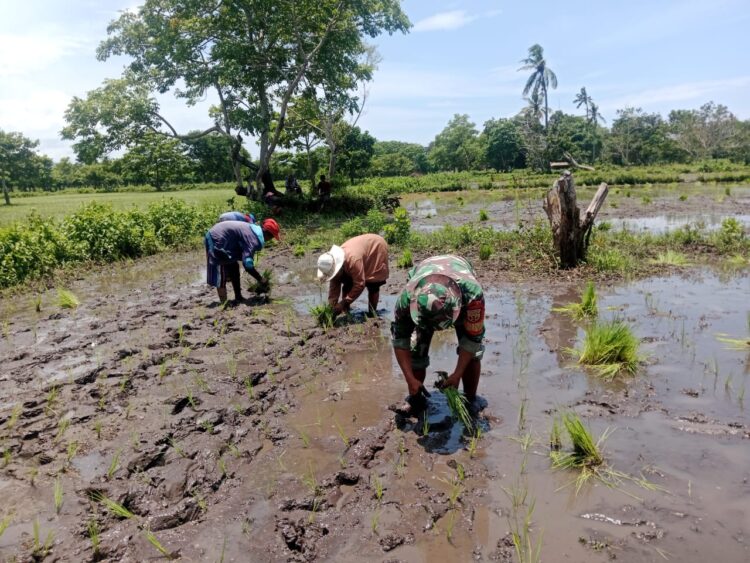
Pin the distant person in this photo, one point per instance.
(324, 189)
(441, 292)
(292, 186)
(237, 216)
(361, 262)
(227, 244)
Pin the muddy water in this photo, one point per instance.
(680, 424)
(655, 208)
(313, 445)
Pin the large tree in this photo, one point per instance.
(254, 55)
(503, 144)
(457, 147)
(639, 138)
(706, 132)
(158, 161)
(541, 79)
(21, 166)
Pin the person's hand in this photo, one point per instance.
(339, 308)
(451, 381)
(418, 400)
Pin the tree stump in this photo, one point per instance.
(570, 231)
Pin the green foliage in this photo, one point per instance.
(265, 285)
(483, 216)
(457, 147)
(730, 236)
(399, 231)
(586, 456)
(405, 260)
(97, 232)
(458, 405)
(503, 144)
(671, 258)
(373, 222)
(610, 348)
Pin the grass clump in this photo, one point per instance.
(610, 348)
(483, 215)
(264, 285)
(671, 258)
(485, 251)
(587, 308)
(405, 260)
(67, 299)
(323, 315)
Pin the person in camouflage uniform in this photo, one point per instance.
(441, 292)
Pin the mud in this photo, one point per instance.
(248, 434)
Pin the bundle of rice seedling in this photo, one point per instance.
(610, 348)
(66, 299)
(323, 314)
(587, 308)
(263, 286)
(457, 403)
(586, 455)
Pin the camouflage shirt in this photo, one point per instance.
(470, 323)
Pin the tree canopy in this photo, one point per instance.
(253, 55)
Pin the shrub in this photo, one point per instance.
(485, 251)
(405, 260)
(399, 231)
(373, 222)
(730, 235)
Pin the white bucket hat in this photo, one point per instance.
(330, 263)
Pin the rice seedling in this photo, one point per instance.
(152, 539)
(555, 440)
(176, 447)
(114, 464)
(40, 550)
(405, 260)
(485, 251)
(52, 396)
(62, 426)
(587, 308)
(33, 472)
(527, 549)
(609, 348)
(298, 251)
(374, 522)
(457, 403)
(323, 315)
(483, 215)
(671, 258)
(13, 419)
(474, 442)
(38, 303)
(734, 343)
(58, 493)
(115, 508)
(425, 425)
(377, 485)
(683, 197)
(222, 464)
(342, 434)
(94, 533)
(264, 285)
(249, 387)
(4, 523)
(450, 523)
(98, 429)
(67, 299)
(7, 455)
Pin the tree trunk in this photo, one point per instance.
(6, 193)
(570, 231)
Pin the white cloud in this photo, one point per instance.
(39, 113)
(23, 55)
(444, 21)
(687, 91)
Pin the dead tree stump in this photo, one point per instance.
(570, 231)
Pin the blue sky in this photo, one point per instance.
(460, 57)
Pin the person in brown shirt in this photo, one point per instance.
(359, 263)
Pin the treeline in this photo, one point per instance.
(634, 138)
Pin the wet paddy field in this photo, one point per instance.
(249, 434)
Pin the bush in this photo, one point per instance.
(485, 251)
(373, 222)
(730, 235)
(399, 231)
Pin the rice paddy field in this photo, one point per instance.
(140, 421)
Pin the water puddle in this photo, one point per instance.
(666, 223)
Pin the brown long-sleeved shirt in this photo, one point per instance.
(365, 261)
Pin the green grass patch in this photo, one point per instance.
(323, 315)
(405, 260)
(67, 299)
(671, 258)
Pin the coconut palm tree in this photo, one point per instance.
(541, 79)
(583, 99)
(594, 119)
